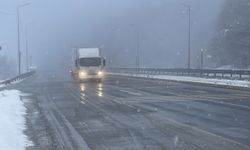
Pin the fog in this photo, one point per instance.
(55, 27)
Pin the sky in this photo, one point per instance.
(55, 27)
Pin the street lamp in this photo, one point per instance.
(189, 33)
(30, 61)
(202, 56)
(137, 56)
(27, 45)
(18, 35)
(137, 48)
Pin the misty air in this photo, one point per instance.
(125, 74)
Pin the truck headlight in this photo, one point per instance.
(82, 74)
(100, 73)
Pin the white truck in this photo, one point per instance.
(88, 63)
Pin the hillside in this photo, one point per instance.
(231, 45)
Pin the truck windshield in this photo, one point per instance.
(94, 61)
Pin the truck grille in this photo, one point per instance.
(92, 73)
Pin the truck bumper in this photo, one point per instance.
(90, 78)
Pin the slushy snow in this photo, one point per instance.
(12, 121)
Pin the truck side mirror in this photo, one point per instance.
(104, 62)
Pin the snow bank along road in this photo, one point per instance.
(137, 113)
(12, 121)
(202, 80)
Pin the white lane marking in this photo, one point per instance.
(210, 99)
(186, 98)
(131, 93)
(226, 103)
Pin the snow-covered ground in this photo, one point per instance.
(224, 82)
(12, 121)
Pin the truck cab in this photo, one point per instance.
(88, 64)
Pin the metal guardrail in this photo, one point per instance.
(20, 77)
(212, 73)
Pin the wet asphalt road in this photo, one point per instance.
(132, 113)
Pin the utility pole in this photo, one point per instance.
(137, 48)
(30, 61)
(18, 40)
(202, 54)
(27, 45)
(18, 36)
(189, 36)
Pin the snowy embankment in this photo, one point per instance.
(14, 82)
(12, 121)
(222, 82)
(1, 85)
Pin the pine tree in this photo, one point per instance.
(231, 45)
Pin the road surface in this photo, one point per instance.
(133, 113)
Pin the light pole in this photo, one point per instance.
(27, 45)
(18, 36)
(202, 60)
(30, 61)
(137, 36)
(137, 40)
(137, 48)
(189, 34)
